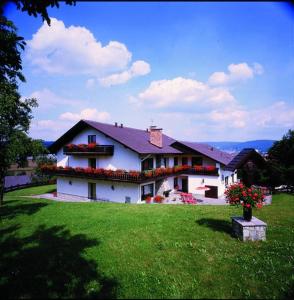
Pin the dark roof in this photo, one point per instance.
(135, 139)
(242, 157)
(209, 151)
(138, 141)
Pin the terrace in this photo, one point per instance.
(129, 176)
(88, 149)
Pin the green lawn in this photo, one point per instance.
(53, 249)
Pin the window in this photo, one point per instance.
(176, 182)
(158, 161)
(226, 180)
(166, 162)
(176, 161)
(233, 178)
(92, 191)
(147, 190)
(147, 164)
(184, 161)
(92, 163)
(197, 161)
(91, 139)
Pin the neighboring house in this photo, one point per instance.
(122, 164)
(28, 168)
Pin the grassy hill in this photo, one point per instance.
(106, 250)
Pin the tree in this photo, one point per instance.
(35, 7)
(10, 56)
(42, 160)
(15, 117)
(281, 161)
(15, 114)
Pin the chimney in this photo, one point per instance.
(121, 125)
(115, 124)
(156, 136)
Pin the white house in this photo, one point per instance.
(121, 164)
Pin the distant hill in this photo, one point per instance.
(47, 143)
(260, 145)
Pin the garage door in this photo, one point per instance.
(212, 193)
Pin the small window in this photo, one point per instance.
(92, 163)
(147, 164)
(92, 191)
(197, 161)
(176, 183)
(184, 161)
(166, 162)
(176, 161)
(233, 178)
(147, 190)
(226, 180)
(127, 199)
(91, 139)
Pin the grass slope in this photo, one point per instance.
(105, 250)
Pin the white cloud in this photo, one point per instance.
(230, 123)
(279, 114)
(179, 91)
(90, 83)
(138, 68)
(236, 73)
(88, 113)
(58, 49)
(48, 99)
(50, 129)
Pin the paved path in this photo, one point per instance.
(200, 200)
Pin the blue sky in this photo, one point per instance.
(201, 71)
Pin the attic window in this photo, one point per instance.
(91, 139)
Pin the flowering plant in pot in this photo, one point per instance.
(248, 197)
(148, 199)
(158, 198)
(92, 146)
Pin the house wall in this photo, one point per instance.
(206, 161)
(123, 158)
(104, 191)
(223, 175)
(195, 181)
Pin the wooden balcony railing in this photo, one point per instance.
(84, 149)
(130, 176)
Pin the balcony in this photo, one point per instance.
(88, 149)
(128, 176)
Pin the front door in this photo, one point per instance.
(212, 193)
(92, 191)
(185, 185)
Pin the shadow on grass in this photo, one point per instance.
(8, 211)
(216, 225)
(50, 263)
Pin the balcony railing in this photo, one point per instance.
(84, 149)
(130, 176)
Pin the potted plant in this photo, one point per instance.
(148, 199)
(158, 199)
(248, 197)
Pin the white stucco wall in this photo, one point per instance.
(123, 158)
(79, 187)
(195, 181)
(223, 174)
